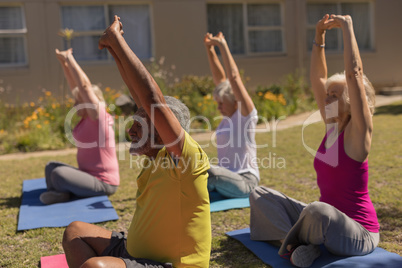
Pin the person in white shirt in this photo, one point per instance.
(237, 173)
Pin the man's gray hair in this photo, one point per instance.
(180, 110)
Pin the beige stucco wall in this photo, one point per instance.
(178, 27)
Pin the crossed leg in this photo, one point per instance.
(84, 243)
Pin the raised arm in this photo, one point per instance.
(142, 85)
(218, 73)
(76, 77)
(361, 116)
(62, 56)
(233, 74)
(318, 65)
(125, 77)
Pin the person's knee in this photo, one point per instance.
(317, 210)
(59, 177)
(49, 168)
(258, 192)
(94, 262)
(71, 232)
(254, 195)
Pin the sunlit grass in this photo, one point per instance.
(297, 179)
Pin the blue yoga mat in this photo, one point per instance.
(220, 203)
(269, 255)
(34, 214)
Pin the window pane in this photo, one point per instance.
(265, 41)
(228, 19)
(331, 39)
(315, 12)
(83, 18)
(11, 18)
(360, 13)
(12, 50)
(264, 15)
(86, 48)
(137, 25)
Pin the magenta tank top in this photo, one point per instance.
(343, 183)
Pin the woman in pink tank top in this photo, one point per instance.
(344, 219)
(98, 169)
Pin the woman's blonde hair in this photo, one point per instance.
(96, 90)
(368, 87)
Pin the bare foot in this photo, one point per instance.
(63, 55)
(113, 30)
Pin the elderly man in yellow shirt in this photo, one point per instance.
(171, 224)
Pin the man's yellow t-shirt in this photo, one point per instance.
(172, 219)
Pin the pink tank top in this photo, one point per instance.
(96, 149)
(343, 183)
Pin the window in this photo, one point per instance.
(361, 15)
(89, 22)
(248, 28)
(12, 36)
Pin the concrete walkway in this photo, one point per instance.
(291, 121)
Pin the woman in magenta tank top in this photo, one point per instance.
(344, 219)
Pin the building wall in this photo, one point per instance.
(178, 28)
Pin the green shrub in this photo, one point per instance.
(41, 125)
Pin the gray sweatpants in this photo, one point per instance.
(61, 177)
(274, 216)
(229, 183)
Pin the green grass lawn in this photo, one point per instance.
(296, 179)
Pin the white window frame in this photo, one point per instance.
(16, 33)
(247, 28)
(339, 11)
(107, 22)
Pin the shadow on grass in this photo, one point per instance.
(232, 253)
(389, 109)
(387, 215)
(10, 202)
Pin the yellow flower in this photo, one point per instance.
(269, 96)
(53, 106)
(1, 131)
(177, 97)
(46, 122)
(34, 117)
(32, 104)
(67, 33)
(260, 94)
(40, 99)
(199, 104)
(47, 114)
(38, 126)
(281, 99)
(48, 93)
(107, 89)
